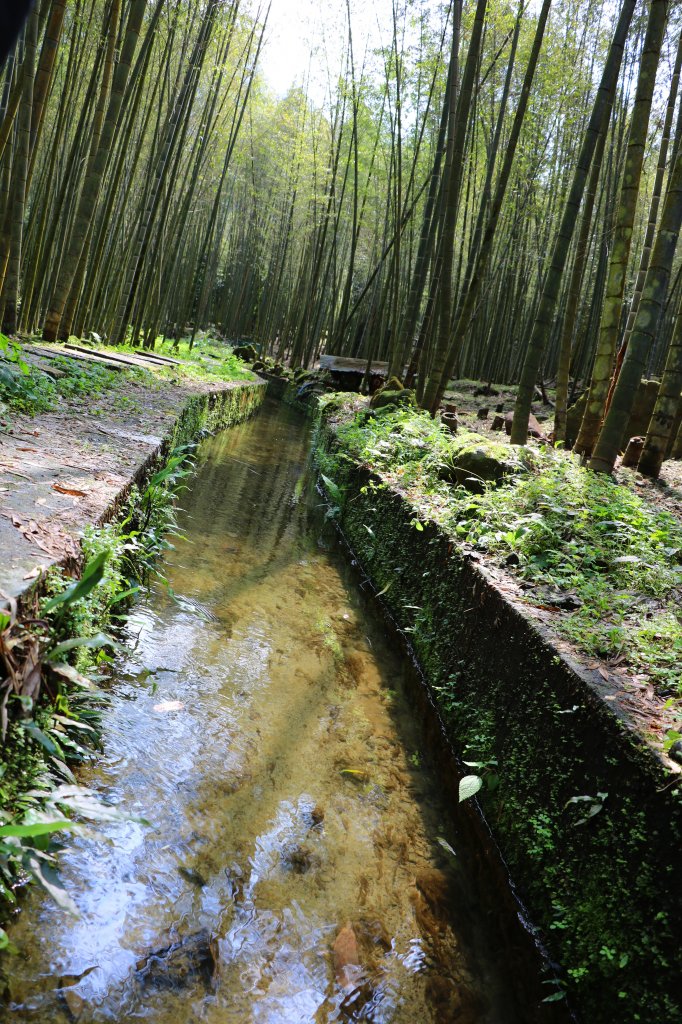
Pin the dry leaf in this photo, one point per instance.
(68, 490)
(603, 673)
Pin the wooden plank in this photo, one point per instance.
(344, 364)
(116, 357)
(157, 358)
(53, 353)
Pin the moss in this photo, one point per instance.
(582, 811)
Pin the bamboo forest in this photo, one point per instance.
(340, 511)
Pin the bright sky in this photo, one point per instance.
(296, 27)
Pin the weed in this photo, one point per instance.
(568, 531)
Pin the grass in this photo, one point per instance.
(26, 389)
(557, 526)
(208, 359)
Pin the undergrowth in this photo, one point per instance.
(552, 523)
(25, 388)
(206, 360)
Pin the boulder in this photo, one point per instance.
(476, 460)
(392, 393)
(246, 352)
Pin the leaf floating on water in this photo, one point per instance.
(169, 705)
(68, 980)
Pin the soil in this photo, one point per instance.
(61, 471)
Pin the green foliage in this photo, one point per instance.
(28, 389)
(564, 530)
(56, 725)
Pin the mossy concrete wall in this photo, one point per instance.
(600, 876)
(203, 414)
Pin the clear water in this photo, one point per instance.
(294, 868)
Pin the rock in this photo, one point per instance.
(372, 937)
(74, 1003)
(246, 352)
(675, 752)
(313, 816)
(433, 885)
(476, 460)
(181, 963)
(567, 602)
(346, 957)
(453, 1002)
(392, 393)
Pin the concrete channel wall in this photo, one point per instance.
(208, 410)
(585, 814)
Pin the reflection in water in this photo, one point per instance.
(291, 871)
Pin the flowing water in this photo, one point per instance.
(295, 865)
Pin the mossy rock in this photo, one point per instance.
(246, 352)
(475, 460)
(392, 393)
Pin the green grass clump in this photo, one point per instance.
(569, 531)
(29, 390)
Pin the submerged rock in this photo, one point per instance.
(181, 963)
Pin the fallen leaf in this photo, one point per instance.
(27, 449)
(36, 572)
(169, 705)
(68, 490)
(603, 673)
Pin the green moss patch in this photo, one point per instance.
(585, 813)
(590, 547)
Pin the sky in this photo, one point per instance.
(296, 27)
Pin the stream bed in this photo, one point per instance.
(298, 864)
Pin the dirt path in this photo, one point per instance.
(61, 471)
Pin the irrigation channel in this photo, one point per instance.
(299, 863)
